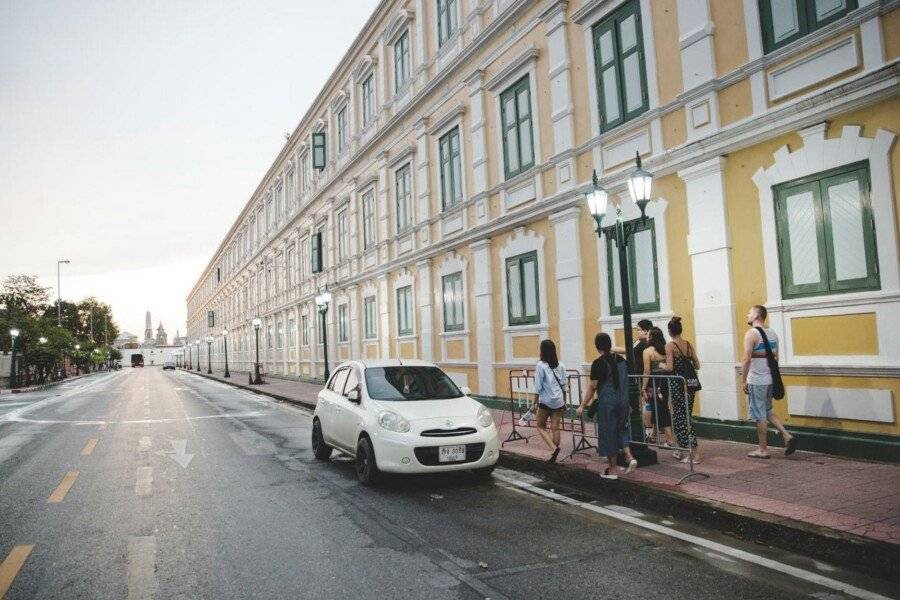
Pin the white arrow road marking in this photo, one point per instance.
(178, 453)
(145, 443)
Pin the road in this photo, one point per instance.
(158, 484)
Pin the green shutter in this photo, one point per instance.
(618, 51)
(806, 16)
(318, 150)
(634, 270)
(518, 284)
(316, 251)
(515, 123)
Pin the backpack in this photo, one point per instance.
(682, 365)
(777, 383)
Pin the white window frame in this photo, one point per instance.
(454, 263)
(368, 106)
(400, 84)
(342, 233)
(368, 243)
(408, 202)
(522, 241)
(375, 317)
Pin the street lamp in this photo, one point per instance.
(639, 186)
(59, 264)
(256, 380)
(322, 301)
(209, 341)
(13, 374)
(77, 368)
(225, 339)
(197, 344)
(42, 340)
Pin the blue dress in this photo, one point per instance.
(613, 428)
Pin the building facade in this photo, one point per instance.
(458, 139)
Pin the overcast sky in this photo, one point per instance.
(132, 133)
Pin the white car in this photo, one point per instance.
(402, 416)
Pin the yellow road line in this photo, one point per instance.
(10, 566)
(63, 488)
(89, 447)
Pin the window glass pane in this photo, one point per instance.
(457, 179)
(825, 9)
(803, 238)
(514, 283)
(527, 152)
(610, 95)
(523, 98)
(337, 383)
(352, 381)
(627, 34)
(785, 20)
(644, 268)
(631, 70)
(606, 47)
(529, 280)
(512, 151)
(846, 223)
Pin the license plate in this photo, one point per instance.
(451, 453)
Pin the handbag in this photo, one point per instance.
(777, 383)
(685, 367)
(562, 388)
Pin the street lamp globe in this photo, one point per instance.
(14, 333)
(78, 346)
(597, 200)
(639, 184)
(209, 339)
(225, 332)
(42, 340)
(257, 322)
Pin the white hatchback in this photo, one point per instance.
(402, 416)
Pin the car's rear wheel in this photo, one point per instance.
(321, 450)
(366, 469)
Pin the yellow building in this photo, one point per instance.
(436, 187)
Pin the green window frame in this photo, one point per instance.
(369, 328)
(304, 330)
(523, 302)
(641, 252)
(447, 20)
(404, 310)
(620, 67)
(783, 21)
(319, 156)
(368, 215)
(451, 169)
(453, 302)
(403, 196)
(826, 233)
(401, 62)
(368, 99)
(515, 119)
(343, 330)
(342, 129)
(315, 252)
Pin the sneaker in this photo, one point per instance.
(607, 475)
(678, 455)
(632, 465)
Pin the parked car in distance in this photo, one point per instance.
(402, 416)
(137, 360)
(169, 365)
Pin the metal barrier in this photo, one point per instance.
(661, 389)
(522, 398)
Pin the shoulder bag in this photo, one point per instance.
(777, 383)
(684, 366)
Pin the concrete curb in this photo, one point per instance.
(873, 557)
(44, 386)
(254, 389)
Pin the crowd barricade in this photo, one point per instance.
(661, 387)
(523, 398)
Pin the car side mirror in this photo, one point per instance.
(465, 390)
(353, 395)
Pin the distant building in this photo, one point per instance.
(149, 339)
(161, 337)
(126, 340)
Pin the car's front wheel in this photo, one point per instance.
(366, 469)
(321, 450)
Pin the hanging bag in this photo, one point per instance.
(777, 383)
(562, 388)
(684, 366)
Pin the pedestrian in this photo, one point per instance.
(608, 387)
(550, 387)
(682, 359)
(643, 330)
(655, 390)
(757, 379)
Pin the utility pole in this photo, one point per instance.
(59, 263)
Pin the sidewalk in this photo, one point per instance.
(845, 496)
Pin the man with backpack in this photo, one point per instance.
(762, 381)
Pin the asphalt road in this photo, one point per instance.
(159, 484)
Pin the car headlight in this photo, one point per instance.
(484, 416)
(393, 422)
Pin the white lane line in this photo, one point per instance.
(142, 567)
(256, 413)
(145, 443)
(768, 563)
(143, 484)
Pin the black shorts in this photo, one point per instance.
(543, 406)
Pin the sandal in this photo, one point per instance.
(632, 465)
(606, 474)
(758, 454)
(687, 460)
(790, 446)
(553, 456)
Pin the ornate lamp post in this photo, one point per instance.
(197, 343)
(256, 380)
(225, 339)
(13, 371)
(77, 369)
(59, 263)
(639, 185)
(323, 299)
(209, 341)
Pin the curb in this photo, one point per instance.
(255, 390)
(872, 557)
(44, 386)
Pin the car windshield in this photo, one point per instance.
(410, 383)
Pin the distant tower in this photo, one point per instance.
(161, 338)
(148, 331)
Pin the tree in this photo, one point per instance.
(21, 294)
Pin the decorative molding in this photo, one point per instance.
(501, 79)
(447, 119)
(833, 60)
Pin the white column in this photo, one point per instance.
(484, 320)
(384, 213)
(475, 83)
(709, 247)
(355, 331)
(569, 287)
(698, 65)
(561, 107)
(384, 307)
(424, 292)
(422, 188)
(420, 76)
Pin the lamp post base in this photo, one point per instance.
(227, 374)
(645, 455)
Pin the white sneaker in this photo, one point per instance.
(607, 475)
(632, 465)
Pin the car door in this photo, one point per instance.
(350, 412)
(328, 409)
